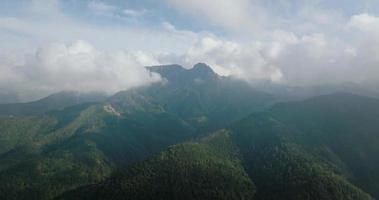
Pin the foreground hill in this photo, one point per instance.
(46, 153)
(83, 149)
(300, 150)
(209, 168)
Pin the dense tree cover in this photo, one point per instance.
(209, 168)
(41, 170)
(84, 146)
(282, 167)
(345, 124)
(16, 131)
(284, 159)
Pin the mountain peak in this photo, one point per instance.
(203, 72)
(202, 67)
(177, 73)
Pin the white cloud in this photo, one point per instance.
(365, 22)
(79, 66)
(289, 58)
(231, 58)
(367, 46)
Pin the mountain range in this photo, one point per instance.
(194, 135)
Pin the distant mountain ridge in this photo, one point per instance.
(52, 102)
(8, 97)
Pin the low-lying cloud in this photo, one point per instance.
(285, 57)
(305, 43)
(78, 66)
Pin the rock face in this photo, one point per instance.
(177, 74)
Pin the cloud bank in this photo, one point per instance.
(287, 57)
(302, 43)
(75, 67)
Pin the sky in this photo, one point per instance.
(96, 45)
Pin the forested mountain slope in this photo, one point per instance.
(209, 168)
(286, 156)
(47, 152)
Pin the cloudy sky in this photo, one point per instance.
(89, 45)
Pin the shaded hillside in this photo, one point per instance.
(205, 169)
(284, 157)
(346, 124)
(283, 167)
(84, 145)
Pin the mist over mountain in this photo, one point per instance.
(6, 98)
(303, 92)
